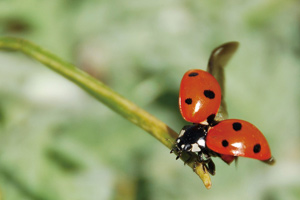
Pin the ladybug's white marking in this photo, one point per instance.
(181, 133)
(195, 148)
(201, 142)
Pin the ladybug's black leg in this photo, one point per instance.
(210, 166)
(178, 151)
(175, 148)
(207, 163)
(179, 155)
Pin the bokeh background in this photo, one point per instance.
(58, 143)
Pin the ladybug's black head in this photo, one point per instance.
(191, 139)
(183, 145)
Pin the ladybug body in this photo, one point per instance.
(199, 97)
(199, 101)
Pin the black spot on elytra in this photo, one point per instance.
(224, 143)
(188, 101)
(209, 94)
(256, 148)
(237, 126)
(193, 74)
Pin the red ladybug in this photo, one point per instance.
(199, 97)
(199, 101)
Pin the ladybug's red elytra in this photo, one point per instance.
(199, 101)
(238, 138)
(199, 97)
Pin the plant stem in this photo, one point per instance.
(104, 94)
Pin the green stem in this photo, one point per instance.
(104, 94)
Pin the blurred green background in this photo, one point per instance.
(58, 143)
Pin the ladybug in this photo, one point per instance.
(199, 102)
(199, 97)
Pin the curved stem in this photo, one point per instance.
(104, 94)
